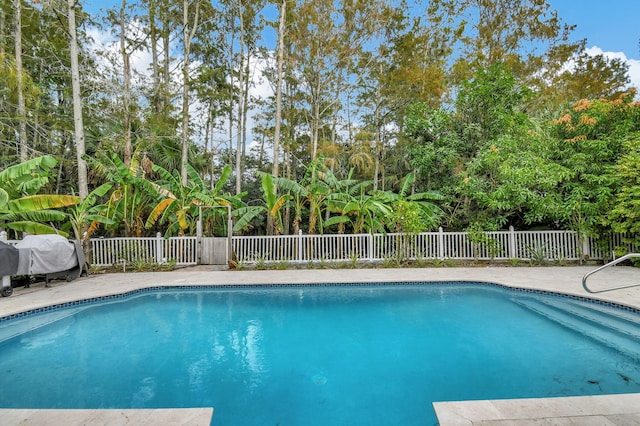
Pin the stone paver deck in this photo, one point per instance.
(600, 410)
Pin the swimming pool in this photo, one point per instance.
(366, 354)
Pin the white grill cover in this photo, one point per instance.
(49, 253)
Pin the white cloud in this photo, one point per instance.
(106, 49)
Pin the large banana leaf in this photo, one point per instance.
(269, 191)
(34, 216)
(26, 168)
(245, 215)
(333, 220)
(34, 228)
(41, 202)
(275, 209)
(222, 180)
(157, 211)
(93, 196)
(4, 198)
(100, 219)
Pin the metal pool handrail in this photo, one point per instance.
(613, 262)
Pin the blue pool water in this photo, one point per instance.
(356, 355)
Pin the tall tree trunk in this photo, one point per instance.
(239, 149)
(126, 95)
(316, 118)
(22, 109)
(83, 186)
(280, 63)
(230, 158)
(155, 68)
(276, 136)
(261, 166)
(166, 45)
(187, 34)
(2, 32)
(377, 140)
(208, 139)
(245, 110)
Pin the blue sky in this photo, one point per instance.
(611, 25)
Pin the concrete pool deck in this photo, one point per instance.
(600, 410)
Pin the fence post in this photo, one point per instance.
(159, 248)
(300, 251)
(440, 243)
(586, 247)
(513, 252)
(6, 279)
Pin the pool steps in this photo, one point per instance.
(591, 320)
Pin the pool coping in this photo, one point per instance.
(566, 281)
(621, 409)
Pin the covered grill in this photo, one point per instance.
(9, 259)
(53, 256)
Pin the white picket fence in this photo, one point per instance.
(501, 245)
(115, 251)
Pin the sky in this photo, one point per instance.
(610, 27)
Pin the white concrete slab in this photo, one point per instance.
(601, 410)
(152, 417)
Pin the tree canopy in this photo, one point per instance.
(458, 113)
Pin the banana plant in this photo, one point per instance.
(22, 209)
(412, 212)
(273, 203)
(86, 216)
(129, 196)
(365, 212)
(299, 197)
(272, 207)
(178, 203)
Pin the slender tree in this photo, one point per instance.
(190, 25)
(279, 76)
(83, 185)
(22, 109)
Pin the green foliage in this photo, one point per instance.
(489, 106)
(130, 193)
(21, 208)
(537, 255)
(514, 179)
(415, 212)
(88, 214)
(490, 159)
(624, 217)
(481, 240)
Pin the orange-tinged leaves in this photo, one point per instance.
(581, 105)
(157, 211)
